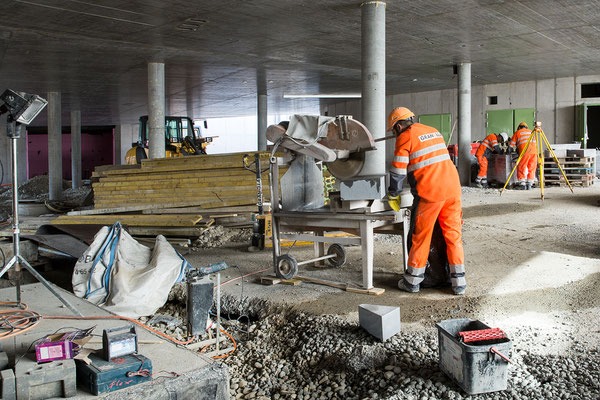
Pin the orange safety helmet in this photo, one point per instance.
(398, 114)
(523, 125)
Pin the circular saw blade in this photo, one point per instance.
(348, 168)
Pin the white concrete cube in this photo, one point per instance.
(383, 322)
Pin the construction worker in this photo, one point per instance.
(491, 144)
(422, 155)
(528, 164)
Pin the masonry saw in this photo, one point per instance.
(339, 142)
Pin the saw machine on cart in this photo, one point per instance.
(299, 211)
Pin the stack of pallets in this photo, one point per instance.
(175, 196)
(579, 169)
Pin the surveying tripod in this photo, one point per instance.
(540, 140)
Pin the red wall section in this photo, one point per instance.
(96, 149)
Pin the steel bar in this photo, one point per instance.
(317, 259)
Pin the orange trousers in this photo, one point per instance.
(526, 168)
(449, 214)
(483, 166)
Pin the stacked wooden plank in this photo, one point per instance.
(210, 181)
(579, 170)
(178, 195)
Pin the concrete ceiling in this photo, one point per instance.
(217, 53)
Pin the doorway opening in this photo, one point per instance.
(593, 126)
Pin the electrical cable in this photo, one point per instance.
(223, 355)
(133, 321)
(16, 322)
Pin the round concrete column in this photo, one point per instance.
(464, 123)
(373, 82)
(262, 122)
(75, 149)
(156, 110)
(54, 146)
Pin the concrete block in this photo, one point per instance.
(581, 153)
(560, 153)
(363, 189)
(3, 360)
(42, 381)
(382, 322)
(7, 382)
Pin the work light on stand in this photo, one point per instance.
(22, 108)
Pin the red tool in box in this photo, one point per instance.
(484, 336)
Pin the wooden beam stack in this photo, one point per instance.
(175, 192)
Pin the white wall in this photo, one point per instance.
(235, 134)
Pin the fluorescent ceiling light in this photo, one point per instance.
(323, 96)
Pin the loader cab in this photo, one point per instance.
(176, 129)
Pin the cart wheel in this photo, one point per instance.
(340, 255)
(287, 267)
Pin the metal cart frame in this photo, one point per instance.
(363, 222)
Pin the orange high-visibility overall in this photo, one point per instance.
(528, 164)
(486, 147)
(421, 153)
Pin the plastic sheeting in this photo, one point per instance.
(125, 277)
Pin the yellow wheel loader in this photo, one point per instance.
(181, 139)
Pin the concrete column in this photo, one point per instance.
(75, 149)
(54, 146)
(262, 122)
(117, 140)
(373, 82)
(464, 123)
(156, 110)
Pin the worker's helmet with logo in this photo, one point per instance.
(398, 114)
(523, 125)
(504, 136)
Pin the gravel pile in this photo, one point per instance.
(217, 236)
(300, 356)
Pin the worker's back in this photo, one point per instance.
(520, 139)
(431, 173)
(487, 144)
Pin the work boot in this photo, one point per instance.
(528, 186)
(520, 186)
(459, 290)
(407, 287)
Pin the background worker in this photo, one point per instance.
(528, 164)
(422, 155)
(491, 144)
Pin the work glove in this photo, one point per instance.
(394, 202)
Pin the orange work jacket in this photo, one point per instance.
(520, 138)
(422, 154)
(490, 143)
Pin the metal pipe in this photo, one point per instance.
(262, 122)
(218, 309)
(464, 123)
(54, 146)
(16, 133)
(318, 259)
(156, 110)
(373, 82)
(75, 149)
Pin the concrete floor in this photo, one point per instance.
(530, 264)
(198, 373)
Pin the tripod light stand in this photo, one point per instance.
(22, 108)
